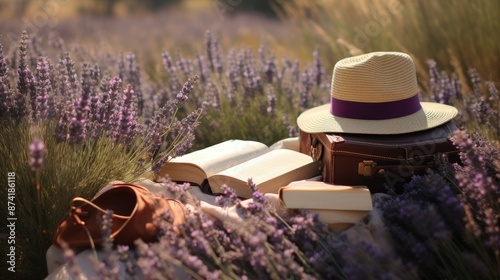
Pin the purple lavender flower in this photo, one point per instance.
(171, 72)
(182, 96)
(36, 52)
(44, 89)
(134, 78)
(26, 83)
(209, 49)
(270, 70)
(5, 91)
(127, 258)
(456, 86)
(252, 84)
(184, 65)
(157, 127)
(492, 230)
(492, 91)
(421, 220)
(233, 72)
(295, 71)
(89, 92)
(286, 65)
(442, 88)
(71, 76)
(319, 72)
(433, 72)
(228, 197)
(61, 132)
(202, 68)
(93, 115)
(69, 256)
(4, 67)
(63, 87)
(37, 154)
(306, 86)
(262, 57)
(447, 93)
(77, 128)
(211, 95)
(57, 43)
(271, 100)
(184, 130)
(481, 190)
(476, 82)
(127, 119)
(5, 98)
(78, 120)
(108, 268)
(217, 62)
(108, 101)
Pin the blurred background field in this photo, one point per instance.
(459, 35)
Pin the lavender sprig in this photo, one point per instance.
(202, 68)
(108, 268)
(305, 87)
(271, 101)
(209, 49)
(134, 78)
(43, 89)
(108, 102)
(319, 72)
(5, 91)
(271, 70)
(184, 65)
(71, 76)
(79, 116)
(37, 154)
(127, 119)
(171, 72)
(182, 95)
(4, 67)
(26, 83)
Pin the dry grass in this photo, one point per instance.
(458, 34)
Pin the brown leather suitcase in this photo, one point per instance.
(380, 162)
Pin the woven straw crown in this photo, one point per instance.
(375, 77)
(375, 93)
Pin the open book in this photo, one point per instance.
(334, 204)
(233, 162)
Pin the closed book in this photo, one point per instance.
(328, 216)
(320, 195)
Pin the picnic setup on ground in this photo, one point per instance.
(371, 138)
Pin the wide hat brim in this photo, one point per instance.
(320, 120)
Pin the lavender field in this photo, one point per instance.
(110, 90)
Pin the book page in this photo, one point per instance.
(270, 166)
(223, 155)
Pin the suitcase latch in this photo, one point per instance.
(366, 167)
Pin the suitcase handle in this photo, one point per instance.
(316, 151)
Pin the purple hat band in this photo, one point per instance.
(375, 111)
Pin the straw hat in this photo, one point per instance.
(375, 93)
